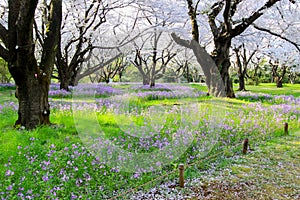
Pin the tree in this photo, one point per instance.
(153, 55)
(80, 36)
(255, 72)
(76, 38)
(109, 71)
(284, 46)
(32, 78)
(242, 62)
(278, 72)
(293, 74)
(152, 65)
(225, 25)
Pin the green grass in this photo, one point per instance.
(17, 145)
(267, 88)
(270, 88)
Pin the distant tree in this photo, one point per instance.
(32, 77)
(242, 63)
(83, 25)
(152, 63)
(293, 74)
(278, 72)
(255, 71)
(110, 71)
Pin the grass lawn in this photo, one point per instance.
(152, 131)
(270, 88)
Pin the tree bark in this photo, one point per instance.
(222, 61)
(146, 80)
(32, 80)
(279, 83)
(242, 83)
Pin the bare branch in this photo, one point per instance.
(52, 37)
(193, 17)
(182, 42)
(99, 66)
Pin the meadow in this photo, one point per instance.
(108, 139)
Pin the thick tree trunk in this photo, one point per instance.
(64, 84)
(222, 60)
(242, 83)
(152, 74)
(34, 108)
(64, 77)
(74, 79)
(32, 79)
(213, 79)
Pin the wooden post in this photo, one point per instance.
(286, 128)
(245, 145)
(181, 175)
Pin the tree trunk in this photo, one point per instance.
(279, 83)
(241, 73)
(32, 92)
(74, 78)
(34, 108)
(64, 76)
(32, 79)
(64, 84)
(213, 79)
(146, 80)
(242, 83)
(221, 58)
(152, 82)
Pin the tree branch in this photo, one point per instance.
(52, 37)
(248, 21)
(215, 10)
(226, 15)
(99, 66)
(277, 35)
(234, 6)
(193, 17)
(182, 42)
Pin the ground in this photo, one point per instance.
(270, 171)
